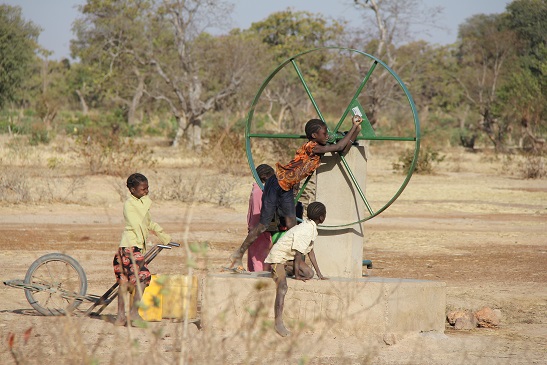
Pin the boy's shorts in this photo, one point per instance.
(274, 198)
(288, 266)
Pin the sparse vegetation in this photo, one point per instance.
(533, 167)
(427, 161)
(108, 152)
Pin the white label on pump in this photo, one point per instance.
(356, 111)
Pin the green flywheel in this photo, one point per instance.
(332, 84)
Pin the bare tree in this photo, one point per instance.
(187, 72)
(396, 21)
(286, 34)
(160, 48)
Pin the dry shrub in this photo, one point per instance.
(71, 340)
(39, 134)
(107, 152)
(120, 187)
(226, 151)
(20, 152)
(17, 187)
(198, 188)
(428, 158)
(179, 187)
(14, 186)
(533, 167)
(58, 189)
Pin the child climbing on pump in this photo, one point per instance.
(278, 190)
(287, 258)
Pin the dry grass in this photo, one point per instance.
(57, 174)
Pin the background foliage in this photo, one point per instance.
(152, 68)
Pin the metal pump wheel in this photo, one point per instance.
(299, 78)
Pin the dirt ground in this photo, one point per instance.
(481, 232)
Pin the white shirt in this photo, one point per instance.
(299, 238)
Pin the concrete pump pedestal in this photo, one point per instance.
(339, 251)
(364, 308)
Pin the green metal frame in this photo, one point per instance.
(366, 133)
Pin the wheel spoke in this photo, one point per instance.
(265, 135)
(386, 138)
(301, 190)
(51, 276)
(356, 95)
(357, 186)
(307, 89)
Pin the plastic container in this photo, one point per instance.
(179, 292)
(152, 300)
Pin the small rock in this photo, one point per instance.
(465, 323)
(462, 319)
(452, 316)
(488, 318)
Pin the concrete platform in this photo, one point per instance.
(365, 307)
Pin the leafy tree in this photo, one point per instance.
(521, 100)
(154, 48)
(82, 83)
(289, 32)
(524, 96)
(110, 42)
(425, 69)
(485, 53)
(53, 89)
(527, 19)
(18, 42)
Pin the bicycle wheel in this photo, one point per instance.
(58, 284)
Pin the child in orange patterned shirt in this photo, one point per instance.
(278, 189)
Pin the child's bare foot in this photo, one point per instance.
(138, 323)
(136, 320)
(120, 321)
(281, 330)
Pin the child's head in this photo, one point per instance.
(137, 185)
(317, 212)
(316, 130)
(264, 172)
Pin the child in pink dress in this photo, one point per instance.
(261, 246)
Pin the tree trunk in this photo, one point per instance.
(281, 117)
(196, 135)
(136, 100)
(85, 108)
(182, 123)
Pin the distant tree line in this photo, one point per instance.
(144, 60)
